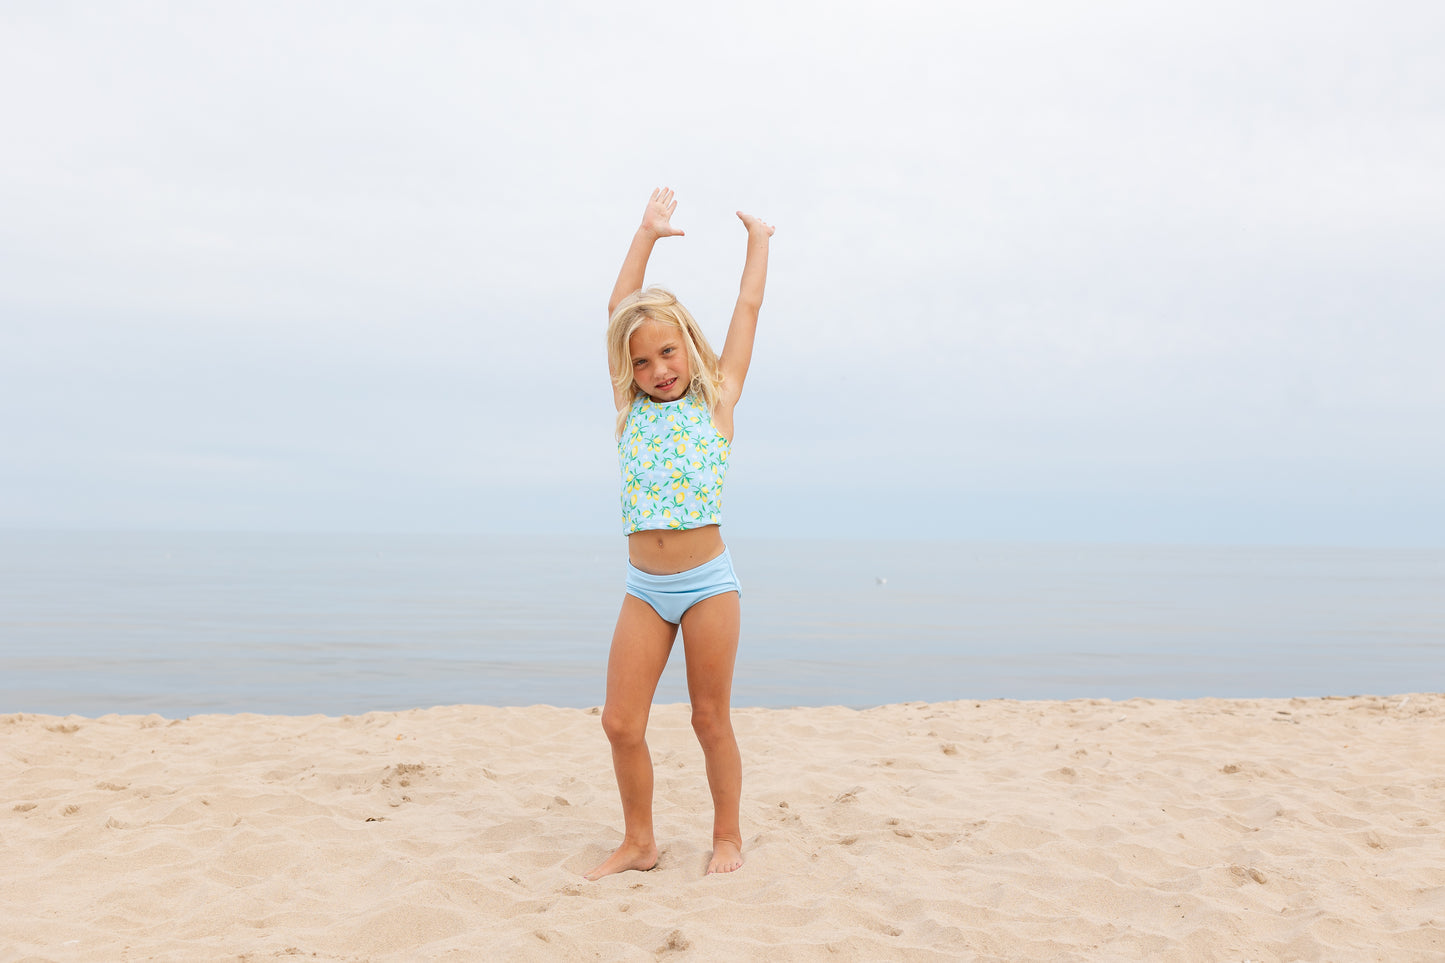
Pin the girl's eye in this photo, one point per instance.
(638, 363)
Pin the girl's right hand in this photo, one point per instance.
(657, 219)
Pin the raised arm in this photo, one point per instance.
(656, 223)
(737, 351)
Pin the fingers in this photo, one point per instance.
(663, 203)
(658, 215)
(751, 222)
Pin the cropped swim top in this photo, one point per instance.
(673, 462)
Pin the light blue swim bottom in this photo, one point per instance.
(672, 595)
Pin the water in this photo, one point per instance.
(183, 624)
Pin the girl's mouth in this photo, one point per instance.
(667, 384)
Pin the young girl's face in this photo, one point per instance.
(659, 361)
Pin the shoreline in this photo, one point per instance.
(1203, 829)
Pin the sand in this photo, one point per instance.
(1261, 830)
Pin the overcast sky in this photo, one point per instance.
(1120, 271)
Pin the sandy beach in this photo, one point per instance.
(1261, 830)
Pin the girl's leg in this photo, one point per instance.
(640, 646)
(710, 640)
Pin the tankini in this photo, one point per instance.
(673, 462)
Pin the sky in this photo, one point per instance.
(1042, 271)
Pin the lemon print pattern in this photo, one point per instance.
(673, 464)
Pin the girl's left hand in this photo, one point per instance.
(756, 225)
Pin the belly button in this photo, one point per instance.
(660, 543)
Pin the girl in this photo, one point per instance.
(675, 401)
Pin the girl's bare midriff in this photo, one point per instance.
(667, 552)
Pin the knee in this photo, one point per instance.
(713, 724)
(623, 728)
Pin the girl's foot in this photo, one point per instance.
(726, 857)
(627, 856)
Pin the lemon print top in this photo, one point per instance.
(673, 463)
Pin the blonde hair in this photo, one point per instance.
(659, 304)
